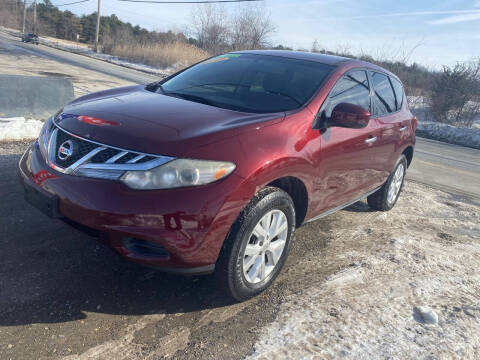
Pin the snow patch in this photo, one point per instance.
(19, 128)
(456, 135)
(415, 292)
(430, 128)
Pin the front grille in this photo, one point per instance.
(80, 148)
(104, 155)
(84, 157)
(126, 158)
(145, 159)
(100, 154)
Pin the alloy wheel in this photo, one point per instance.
(395, 184)
(265, 246)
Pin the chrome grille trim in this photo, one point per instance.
(109, 164)
(116, 157)
(108, 146)
(136, 158)
(84, 159)
(128, 167)
(51, 147)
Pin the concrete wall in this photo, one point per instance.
(33, 96)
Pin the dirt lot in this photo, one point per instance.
(349, 289)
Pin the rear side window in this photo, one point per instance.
(398, 88)
(351, 88)
(383, 97)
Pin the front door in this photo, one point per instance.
(347, 168)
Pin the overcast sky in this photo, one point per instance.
(446, 31)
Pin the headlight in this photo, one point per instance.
(178, 173)
(44, 136)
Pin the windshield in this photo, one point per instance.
(248, 82)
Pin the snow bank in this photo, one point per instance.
(428, 126)
(455, 135)
(19, 128)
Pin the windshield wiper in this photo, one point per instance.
(194, 98)
(284, 95)
(155, 86)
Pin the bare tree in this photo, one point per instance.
(9, 12)
(119, 37)
(251, 27)
(210, 27)
(315, 47)
(456, 94)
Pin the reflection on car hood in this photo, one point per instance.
(140, 120)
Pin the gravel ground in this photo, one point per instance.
(351, 287)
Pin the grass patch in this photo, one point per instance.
(177, 54)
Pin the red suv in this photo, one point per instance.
(213, 168)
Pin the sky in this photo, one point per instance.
(435, 32)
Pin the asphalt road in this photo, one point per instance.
(448, 167)
(79, 60)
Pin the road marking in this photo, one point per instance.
(447, 157)
(438, 165)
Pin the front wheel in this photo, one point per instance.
(385, 198)
(258, 244)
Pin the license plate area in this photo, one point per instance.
(46, 203)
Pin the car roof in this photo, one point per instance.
(333, 60)
(300, 55)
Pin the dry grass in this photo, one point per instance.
(177, 54)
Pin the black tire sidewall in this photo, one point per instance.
(275, 199)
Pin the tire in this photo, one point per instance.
(382, 199)
(269, 207)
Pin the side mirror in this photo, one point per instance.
(349, 116)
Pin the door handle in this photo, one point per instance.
(403, 128)
(371, 140)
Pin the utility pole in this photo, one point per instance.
(35, 16)
(24, 15)
(98, 27)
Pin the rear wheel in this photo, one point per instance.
(258, 244)
(385, 198)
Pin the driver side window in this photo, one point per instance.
(350, 88)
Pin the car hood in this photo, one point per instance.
(137, 119)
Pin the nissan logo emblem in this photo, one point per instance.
(65, 150)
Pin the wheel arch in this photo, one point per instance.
(297, 190)
(408, 152)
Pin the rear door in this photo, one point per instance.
(386, 106)
(347, 168)
(403, 119)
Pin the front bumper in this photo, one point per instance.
(190, 224)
